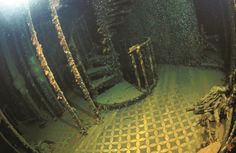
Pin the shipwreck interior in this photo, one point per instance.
(117, 76)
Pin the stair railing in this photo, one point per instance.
(144, 64)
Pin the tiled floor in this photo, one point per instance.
(160, 123)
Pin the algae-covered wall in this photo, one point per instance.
(172, 25)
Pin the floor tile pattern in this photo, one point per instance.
(158, 124)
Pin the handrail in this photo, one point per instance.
(138, 46)
(143, 58)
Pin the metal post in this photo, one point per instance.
(78, 79)
(135, 70)
(48, 73)
(142, 67)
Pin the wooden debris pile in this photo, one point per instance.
(217, 116)
(212, 105)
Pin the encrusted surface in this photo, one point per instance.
(158, 124)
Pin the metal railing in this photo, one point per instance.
(144, 64)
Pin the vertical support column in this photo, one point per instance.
(78, 79)
(78, 57)
(48, 73)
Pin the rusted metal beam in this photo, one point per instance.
(48, 73)
(77, 76)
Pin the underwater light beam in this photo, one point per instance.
(12, 3)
